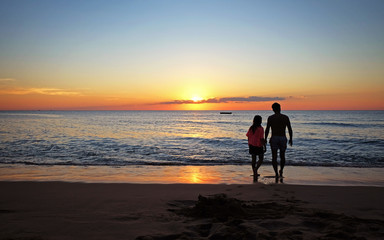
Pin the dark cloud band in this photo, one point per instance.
(226, 100)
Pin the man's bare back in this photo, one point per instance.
(278, 122)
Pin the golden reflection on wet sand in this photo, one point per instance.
(225, 174)
(198, 174)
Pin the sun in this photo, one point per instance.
(196, 98)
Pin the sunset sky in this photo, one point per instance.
(191, 54)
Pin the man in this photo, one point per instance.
(278, 122)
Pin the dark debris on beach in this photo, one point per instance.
(220, 217)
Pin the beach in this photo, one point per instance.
(106, 175)
(63, 210)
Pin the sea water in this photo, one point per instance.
(184, 138)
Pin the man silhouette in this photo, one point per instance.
(278, 122)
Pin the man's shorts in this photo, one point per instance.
(278, 142)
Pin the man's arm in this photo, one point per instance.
(267, 131)
(290, 132)
(264, 142)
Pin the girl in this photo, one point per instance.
(256, 143)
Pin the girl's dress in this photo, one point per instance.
(255, 140)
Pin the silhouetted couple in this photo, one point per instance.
(257, 142)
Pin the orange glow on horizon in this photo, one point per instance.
(363, 101)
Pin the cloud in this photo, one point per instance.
(5, 80)
(298, 97)
(226, 100)
(9, 87)
(53, 91)
(42, 91)
(182, 102)
(251, 99)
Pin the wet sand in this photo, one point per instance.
(227, 174)
(62, 210)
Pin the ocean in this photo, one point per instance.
(184, 138)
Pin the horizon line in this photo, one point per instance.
(179, 110)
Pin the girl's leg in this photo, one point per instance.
(261, 158)
(253, 164)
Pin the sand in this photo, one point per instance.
(62, 210)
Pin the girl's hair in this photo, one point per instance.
(256, 123)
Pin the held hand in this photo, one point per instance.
(290, 142)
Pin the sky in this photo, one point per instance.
(191, 55)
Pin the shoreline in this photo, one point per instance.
(63, 210)
(221, 174)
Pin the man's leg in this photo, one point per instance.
(274, 161)
(282, 162)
